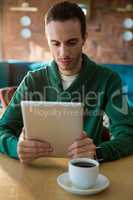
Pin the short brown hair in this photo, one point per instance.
(64, 11)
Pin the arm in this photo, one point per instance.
(121, 118)
(11, 122)
(121, 143)
(12, 141)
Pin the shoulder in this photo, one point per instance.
(40, 73)
(100, 71)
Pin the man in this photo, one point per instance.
(71, 76)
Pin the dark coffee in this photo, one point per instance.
(83, 164)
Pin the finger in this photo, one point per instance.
(22, 137)
(83, 149)
(87, 154)
(34, 144)
(80, 143)
(28, 157)
(83, 155)
(31, 152)
(82, 135)
(23, 133)
(24, 150)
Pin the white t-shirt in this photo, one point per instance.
(67, 80)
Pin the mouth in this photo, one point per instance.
(65, 61)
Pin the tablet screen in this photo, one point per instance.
(58, 123)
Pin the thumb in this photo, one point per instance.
(23, 133)
(82, 135)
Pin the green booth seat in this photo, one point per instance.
(4, 74)
(125, 71)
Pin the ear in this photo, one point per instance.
(46, 31)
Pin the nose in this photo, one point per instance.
(64, 51)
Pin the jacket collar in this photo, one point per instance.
(83, 76)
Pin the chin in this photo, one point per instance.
(64, 67)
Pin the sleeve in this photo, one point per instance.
(121, 117)
(11, 122)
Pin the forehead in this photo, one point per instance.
(63, 30)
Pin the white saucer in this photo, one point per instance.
(101, 184)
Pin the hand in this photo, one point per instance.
(82, 147)
(29, 149)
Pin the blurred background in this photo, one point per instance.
(22, 30)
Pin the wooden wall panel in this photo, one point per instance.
(104, 43)
(15, 47)
(1, 26)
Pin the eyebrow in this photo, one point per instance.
(70, 40)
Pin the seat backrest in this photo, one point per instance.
(6, 95)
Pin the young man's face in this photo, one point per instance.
(65, 43)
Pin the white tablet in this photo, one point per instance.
(59, 123)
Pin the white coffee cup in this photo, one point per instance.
(83, 172)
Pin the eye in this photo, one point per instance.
(72, 43)
(56, 44)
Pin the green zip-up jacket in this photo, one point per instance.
(97, 87)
